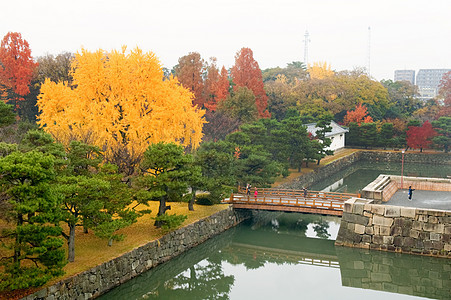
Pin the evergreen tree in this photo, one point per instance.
(37, 253)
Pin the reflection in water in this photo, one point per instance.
(274, 255)
(395, 273)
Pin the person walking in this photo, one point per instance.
(248, 189)
(410, 192)
(255, 193)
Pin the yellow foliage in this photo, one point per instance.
(320, 70)
(119, 101)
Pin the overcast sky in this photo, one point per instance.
(405, 34)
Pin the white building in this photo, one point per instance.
(337, 135)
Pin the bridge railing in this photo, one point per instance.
(299, 201)
(300, 193)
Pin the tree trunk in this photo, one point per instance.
(71, 243)
(318, 161)
(162, 209)
(191, 201)
(18, 239)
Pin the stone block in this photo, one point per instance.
(378, 209)
(357, 208)
(437, 213)
(367, 214)
(436, 236)
(384, 230)
(421, 211)
(350, 226)
(377, 229)
(408, 212)
(366, 238)
(369, 230)
(408, 242)
(380, 277)
(377, 239)
(356, 219)
(447, 247)
(417, 225)
(347, 208)
(414, 233)
(359, 229)
(392, 211)
(397, 241)
(433, 219)
(380, 220)
(367, 207)
(447, 229)
(388, 240)
(395, 231)
(437, 228)
(422, 218)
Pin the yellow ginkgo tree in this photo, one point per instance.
(120, 102)
(320, 70)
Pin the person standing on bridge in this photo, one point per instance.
(248, 189)
(255, 193)
(410, 192)
(305, 192)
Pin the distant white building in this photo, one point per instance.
(405, 75)
(337, 135)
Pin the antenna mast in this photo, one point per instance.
(306, 41)
(369, 52)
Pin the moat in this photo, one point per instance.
(289, 256)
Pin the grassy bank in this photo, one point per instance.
(91, 251)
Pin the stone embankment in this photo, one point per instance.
(394, 228)
(104, 277)
(344, 162)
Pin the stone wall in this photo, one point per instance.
(410, 156)
(321, 173)
(344, 162)
(104, 277)
(394, 228)
(415, 275)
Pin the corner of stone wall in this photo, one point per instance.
(395, 228)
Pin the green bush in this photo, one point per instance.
(168, 222)
(205, 199)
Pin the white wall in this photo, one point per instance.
(338, 141)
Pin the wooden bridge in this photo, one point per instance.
(316, 202)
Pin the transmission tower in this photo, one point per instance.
(306, 41)
(369, 52)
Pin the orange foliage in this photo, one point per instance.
(120, 103)
(16, 64)
(189, 73)
(359, 115)
(216, 87)
(247, 73)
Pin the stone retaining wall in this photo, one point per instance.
(344, 162)
(394, 228)
(104, 277)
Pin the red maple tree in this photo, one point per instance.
(189, 73)
(247, 73)
(420, 137)
(16, 65)
(216, 87)
(359, 115)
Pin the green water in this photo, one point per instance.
(357, 176)
(289, 256)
